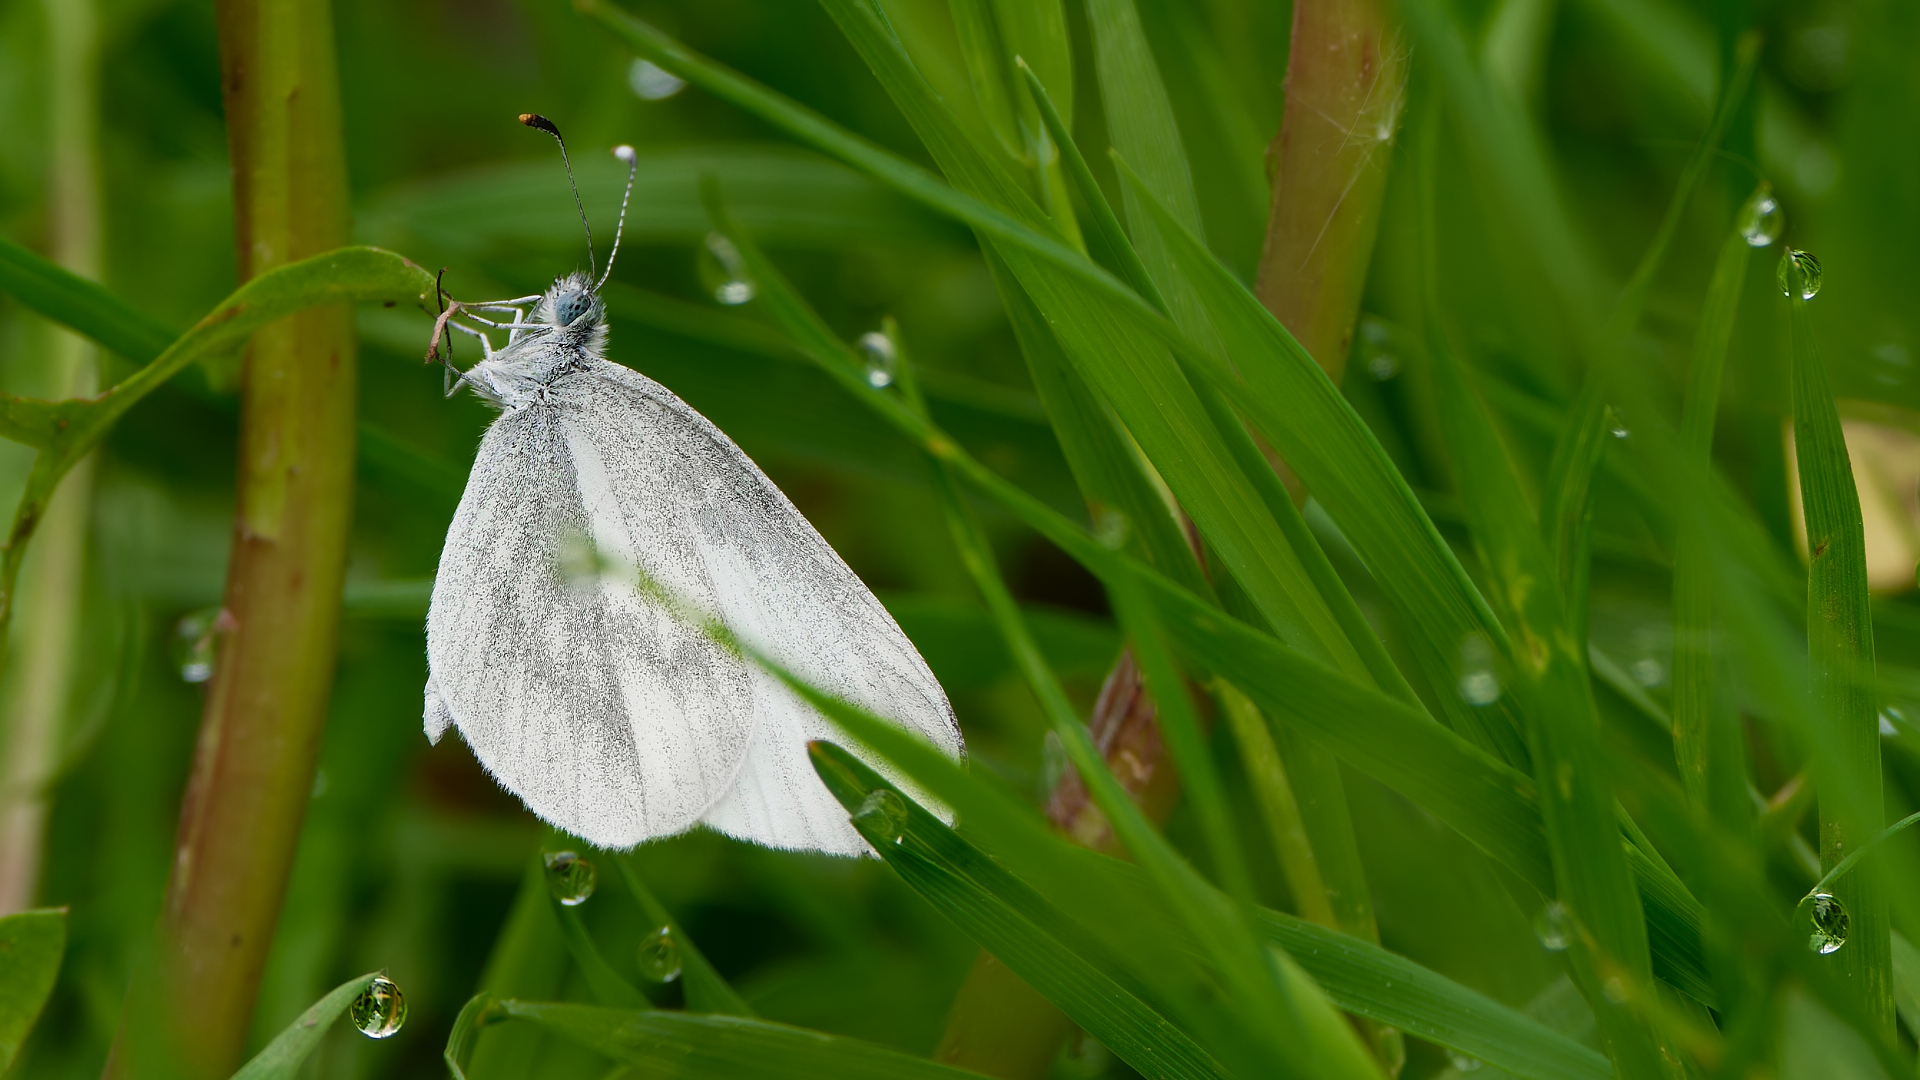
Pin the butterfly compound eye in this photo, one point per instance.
(571, 306)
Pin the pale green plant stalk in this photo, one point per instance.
(41, 676)
(259, 736)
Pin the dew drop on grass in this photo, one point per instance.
(1463, 1063)
(1763, 220)
(882, 813)
(660, 956)
(882, 359)
(569, 877)
(1616, 424)
(1383, 367)
(1553, 926)
(380, 1009)
(1799, 274)
(193, 644)
(1110, 527)
(732, 287)
(1479, 684)
(1828, 920)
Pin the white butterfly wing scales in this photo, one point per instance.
(674, 729)
(763, 571)
(606, 715)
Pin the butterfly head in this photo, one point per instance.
(571, 302)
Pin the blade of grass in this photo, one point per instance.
(1043, 945)
(701, 1047)
(1840, 652)
(281, 1059)
(1565, 510)
(1706, 736)
(32, 943)
(606, 983)
(1358, 976)
(85, 306)
(706, 991)
(1591, 875)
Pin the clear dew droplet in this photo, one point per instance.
(1761, 225)
(883, 360)
(1110, 527)
(651, 82)
(570, 878)
(1479, 684)
(1828, 921)
(1383, 367)
(380, 1009)
(882, 813)
(1553, 926)
(1463, 1063)
(734, 288)
(1799, 274)
(660, 956)
(193, 644)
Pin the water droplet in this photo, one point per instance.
(1887, 727)
(1479, 684)
(380, 1009)
(660, 956)
(1648, 671)
(569, 877)
(1053, 761)
(733, 287)
(1827, 917)
(882, 813)
(882, 359)
(1617, 424)
(1110, 527)
(1614, 989)
(193, 644)
(1083, 1056)
(1553, 926)
(1761, 225)
(1383, 367)
(1463, 1062)
(1799, 274)
(651, 82)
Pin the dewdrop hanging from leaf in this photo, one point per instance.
(609, 713)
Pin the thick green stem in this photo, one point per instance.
(42, 676)
(267, 703)
(1346, 85)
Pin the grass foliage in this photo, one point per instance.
(1514, 737)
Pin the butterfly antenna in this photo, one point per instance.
(541, 123)
(624, 153)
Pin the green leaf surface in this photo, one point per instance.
(706, 991)
(73, 301)
(32, 944)
(281, 1059)
(1840, 654)
(705, 1047)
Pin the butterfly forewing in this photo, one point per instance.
(699, 517)
(607, 715)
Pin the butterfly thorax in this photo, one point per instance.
(568, 328)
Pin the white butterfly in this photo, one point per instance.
(610, 715)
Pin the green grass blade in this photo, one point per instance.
(706, 991)
(606, 983)
(81, 305)
(32, 944)
(1705, 732)
(1840, 652)
(703, 1047)
(1565, 510)
(1289, 398)
(1019, 926)
(281, 1059)
(480, 1010)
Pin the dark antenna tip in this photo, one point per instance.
(541, 123)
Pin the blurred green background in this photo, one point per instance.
(411, 857)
